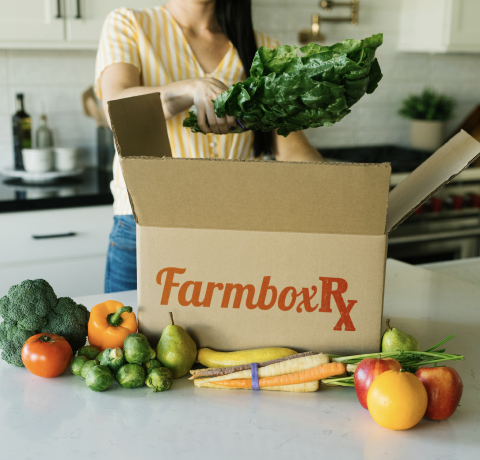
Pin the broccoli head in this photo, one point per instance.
(27, 304)
(70, 320)
(12, 339)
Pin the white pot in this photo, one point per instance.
(37, 160)
(65, 159)
(427, 134)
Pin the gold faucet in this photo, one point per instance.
(313, 34)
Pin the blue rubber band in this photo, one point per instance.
(255, 385)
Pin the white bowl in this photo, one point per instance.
(37, 160)
(65, 159)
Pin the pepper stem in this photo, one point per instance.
(115, 319)
(171, 318)
(388, 325)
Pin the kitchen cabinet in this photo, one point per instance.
(439, 26)
(84, 18)
(23, 21)
(73, 265)
(58, 24)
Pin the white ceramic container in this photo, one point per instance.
(65, 159)
(427, 134)
(37, 160)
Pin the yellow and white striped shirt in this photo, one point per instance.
(152, 41)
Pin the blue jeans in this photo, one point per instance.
(121, 270)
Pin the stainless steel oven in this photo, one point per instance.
(447, 227)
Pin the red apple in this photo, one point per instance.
(367, 371)
(444, 389)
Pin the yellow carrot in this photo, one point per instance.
(314, 373)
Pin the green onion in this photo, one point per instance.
(410, 361)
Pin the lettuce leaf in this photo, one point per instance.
(289, 92)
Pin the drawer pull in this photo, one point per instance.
(53, 235)
(59, 10)
(79, 12)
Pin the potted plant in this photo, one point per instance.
(428, 111)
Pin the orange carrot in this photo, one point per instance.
(315, 373)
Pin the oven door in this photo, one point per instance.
(435, 240)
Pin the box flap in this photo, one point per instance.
(446, 163)
(257, 195)
(241, 195)
(139, 127)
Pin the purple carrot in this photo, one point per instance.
(215, 372)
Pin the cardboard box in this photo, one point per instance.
(251, 254)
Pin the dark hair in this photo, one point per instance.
(235, 19)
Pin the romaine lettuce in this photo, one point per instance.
(290, 92)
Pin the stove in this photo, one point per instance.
(446, 227)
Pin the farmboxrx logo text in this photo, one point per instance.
(190, 293)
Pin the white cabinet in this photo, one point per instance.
(74, 265)
(84, 18)
(23, 21)
(58, 24)
(440, 26)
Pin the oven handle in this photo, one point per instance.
(453, 235)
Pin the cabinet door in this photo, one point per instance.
(31, 20)
(69, 278)
(73, 265)
(85, 18)
(464, 28)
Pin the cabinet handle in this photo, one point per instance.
(53, 235)
(439, 236)
(79, 11)
(59, 10)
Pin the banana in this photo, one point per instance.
(216, 359)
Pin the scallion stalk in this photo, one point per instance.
(410, 361)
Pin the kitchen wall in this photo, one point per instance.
(55, 79)
(374, 118)
(59, 77)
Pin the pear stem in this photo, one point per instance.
(388, 325)
(171, 318)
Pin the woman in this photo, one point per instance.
(190, 51)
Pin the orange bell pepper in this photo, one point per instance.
(110, 322)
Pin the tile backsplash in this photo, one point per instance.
(57, 79)
(53, 81)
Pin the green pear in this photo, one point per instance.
(176, 350)
(396, 340)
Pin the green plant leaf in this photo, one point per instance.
(429, 105)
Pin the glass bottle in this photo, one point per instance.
(44, 136)
(22, 132)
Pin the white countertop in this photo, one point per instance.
(62, 419)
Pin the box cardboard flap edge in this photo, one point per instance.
(240, 195)
(435, 172)
(139, 127)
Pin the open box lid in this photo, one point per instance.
(240, 195)
(438, 170)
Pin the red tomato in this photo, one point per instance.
(46, 355)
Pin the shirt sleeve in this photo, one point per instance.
(118, 43)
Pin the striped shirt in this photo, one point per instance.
(154, 43)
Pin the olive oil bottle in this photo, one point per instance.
(22, 132)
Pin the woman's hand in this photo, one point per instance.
(123, 80)
(204, 91)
